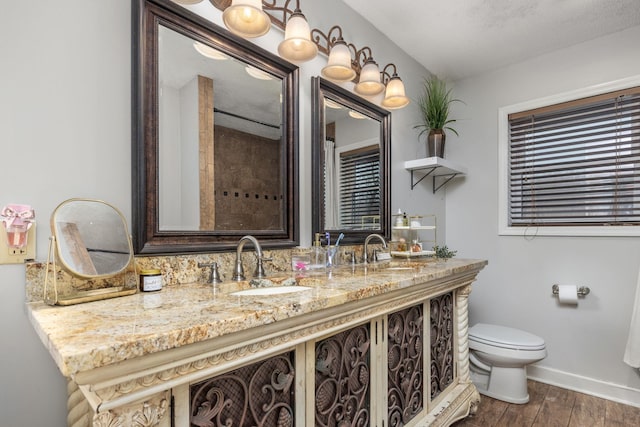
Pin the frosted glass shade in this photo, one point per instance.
(297, 44)
(395, 96)
(246, 18)
(369, 84)
(338, 66)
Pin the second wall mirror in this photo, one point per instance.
(351, 140)
(215, 136)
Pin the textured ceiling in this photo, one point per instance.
(460, 38)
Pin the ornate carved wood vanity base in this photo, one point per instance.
(392, 350)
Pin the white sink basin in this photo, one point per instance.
(272, 290)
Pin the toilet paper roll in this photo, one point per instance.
(568, 294)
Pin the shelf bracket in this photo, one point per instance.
(435, 167)
(443, 183)
(413, 184)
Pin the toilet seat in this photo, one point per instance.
(505, 337)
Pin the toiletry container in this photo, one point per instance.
(318, 255)
(150, 280)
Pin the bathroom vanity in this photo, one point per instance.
(378, 345)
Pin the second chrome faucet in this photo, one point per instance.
(365, 251)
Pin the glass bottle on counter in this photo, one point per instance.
(318, 255)
(398, 221)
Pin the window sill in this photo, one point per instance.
(587, 231)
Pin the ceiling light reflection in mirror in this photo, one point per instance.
(209, 52)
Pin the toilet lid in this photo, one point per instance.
(502, 336)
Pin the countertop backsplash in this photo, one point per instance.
(175, 269)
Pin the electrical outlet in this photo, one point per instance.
(17, 255)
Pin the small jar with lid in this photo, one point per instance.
(150, 280)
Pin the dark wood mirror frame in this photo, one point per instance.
(322, 89)
(147, 236)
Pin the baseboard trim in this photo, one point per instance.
(610, 391)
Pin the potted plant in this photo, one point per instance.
(434, 103)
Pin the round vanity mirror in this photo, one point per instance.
(91, 237)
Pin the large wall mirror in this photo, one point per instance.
(216, 136)
(351, 156)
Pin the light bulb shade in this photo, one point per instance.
(369, 84)
(395, 96)
(297, 44)
(338, 66)
(246, 18)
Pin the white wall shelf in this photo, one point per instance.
(436, 167)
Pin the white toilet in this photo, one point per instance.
(499, 357)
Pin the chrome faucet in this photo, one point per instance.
(238, 272)
(365, 254)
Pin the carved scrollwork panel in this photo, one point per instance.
(343, 378)
(260, 394)
(147, 414)
(108, 419)
(442, 343)
(405, 365)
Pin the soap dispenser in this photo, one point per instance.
(318, 255)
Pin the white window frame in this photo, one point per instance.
(503, 166)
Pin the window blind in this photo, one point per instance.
(576, 163)
(359, 187)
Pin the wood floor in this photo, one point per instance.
(551, 406)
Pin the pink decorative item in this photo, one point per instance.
(17, 221)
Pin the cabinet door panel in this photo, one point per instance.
(405, 371)
(260, 394)
(343, 378)
(442, 336)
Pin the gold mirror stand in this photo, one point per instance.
(128, 275)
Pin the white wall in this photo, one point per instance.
(585, 344)
(65, 107)
(65, 125)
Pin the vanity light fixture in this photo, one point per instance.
(394, 96)
(297, 45)
(246, 18)
(369, 84)
(209, 52)
(338, 68)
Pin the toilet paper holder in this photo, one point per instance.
(582, 290)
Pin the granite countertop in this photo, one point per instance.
(100, 333)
